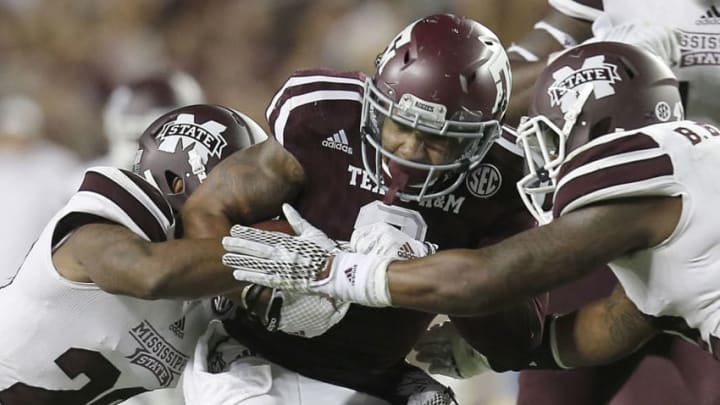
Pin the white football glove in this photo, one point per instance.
(310, 262)
(448, 354)
(385, 240)
(418, 388)
(302, 314)
(658, 39)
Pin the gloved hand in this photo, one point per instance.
(447, 353)
(302, 314)
(661, 40)
(310, 262)
(416, 387)
(384, 239)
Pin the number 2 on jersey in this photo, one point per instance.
(407, 220)
(102, 376)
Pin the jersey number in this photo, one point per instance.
(407, 220)
(101, 373)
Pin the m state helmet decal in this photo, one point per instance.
(594, 70)
(206, 137)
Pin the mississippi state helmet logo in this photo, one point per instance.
(206, 138)
(484, 181)
(594, 70)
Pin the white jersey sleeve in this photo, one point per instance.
(67, 342)
(120, 196)
(587, 10)
(625, 164)
(681, 276)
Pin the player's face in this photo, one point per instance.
(411, 144)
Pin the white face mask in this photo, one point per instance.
(544, 146)
(430, 118)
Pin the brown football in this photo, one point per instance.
(276, 225)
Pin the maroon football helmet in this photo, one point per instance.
(586, 92)
(188, 142)
(443, 75)
(132, 106)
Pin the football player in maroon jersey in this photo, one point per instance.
(417, 145)
(631, 185)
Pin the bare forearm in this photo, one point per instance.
(602, 332)
(175, 269)
(436, 283)
(196, 271)
(247, 187)
(475, 282)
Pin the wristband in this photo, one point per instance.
(360, 278)
(553, 344)
(546, 356)
(253, 295)
(271, 320)
(249, 296)
(243, 296)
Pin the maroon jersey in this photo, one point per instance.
(316, 116)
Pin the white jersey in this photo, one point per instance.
(698, 22)
(681, 276)
(66, 342)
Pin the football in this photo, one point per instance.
(276, 225)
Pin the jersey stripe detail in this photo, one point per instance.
(608, 178)
(140, 208)
(607, 146)
(297, 101)
(155, 195)
(304, 80)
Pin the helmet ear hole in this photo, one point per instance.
(174, 182)
(472, 77)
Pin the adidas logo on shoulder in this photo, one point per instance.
(711, 16)
(338, 141)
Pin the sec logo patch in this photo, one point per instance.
(484, 181)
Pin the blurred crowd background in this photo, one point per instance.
(61, 60)
(67, 55)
